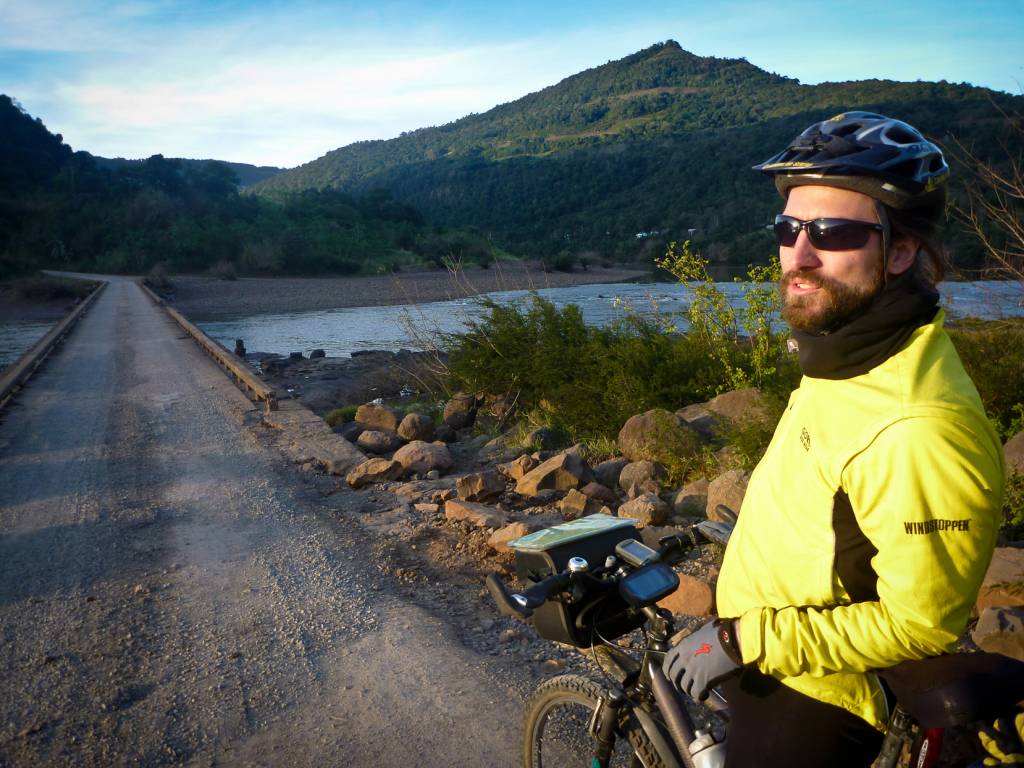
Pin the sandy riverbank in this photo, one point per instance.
(204, 298)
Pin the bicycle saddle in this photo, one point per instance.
(956, 689)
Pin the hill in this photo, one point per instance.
(63, 209)
(621, 157)
(246, 173)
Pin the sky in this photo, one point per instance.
(282, 83)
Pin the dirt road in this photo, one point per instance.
(171, 592)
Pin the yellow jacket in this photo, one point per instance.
(905, 454)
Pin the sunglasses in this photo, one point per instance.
(826, 234)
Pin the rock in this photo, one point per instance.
(416, 426)
(375, 441)
(578, 504)
(1001, 630)
(478, 515)
(239, 348)
(657, 435)
(498, 407)
(349, 430)
(422, 457)
(1003, 585)
(442, 495)
(561, 472)
(601, 493)
(515, 469)
(445, 434)
(711, 420)
(373, 471)
(376, 417)
(500, 539)
(692, 499)
(316, 354)
(425, 507)
(701, 420)
(607, 472)
(646, 509)
(295, 356)
(1014, 452)
(460, 411)
(541, 438)
(641, 474)
(433, 474)
(693, 598)
(480, 486)
(729, 489)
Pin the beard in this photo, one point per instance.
(833, 305)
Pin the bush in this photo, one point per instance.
(1013, 507)
(158, 280)
(224, 270)
(341, 415)
(47, 288)
(993, 355)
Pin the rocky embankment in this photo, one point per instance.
(480, 488)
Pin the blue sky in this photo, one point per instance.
(277, 83)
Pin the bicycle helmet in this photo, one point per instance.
(878, 156)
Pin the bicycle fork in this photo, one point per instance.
(603, 723)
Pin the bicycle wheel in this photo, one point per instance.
(556, 728)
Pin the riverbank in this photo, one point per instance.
(204, 298)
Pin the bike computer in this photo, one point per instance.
(648, 585)
(634, 552)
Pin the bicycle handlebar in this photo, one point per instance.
(520, 605)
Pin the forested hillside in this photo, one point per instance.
(61, 209)
(246, 173)
(619, 158)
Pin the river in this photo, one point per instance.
(340, 332)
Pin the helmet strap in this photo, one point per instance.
(883, 219)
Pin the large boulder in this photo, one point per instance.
(729, 488)
(460, 411)
(1001, 630)
(477, 515)
(559, 473)
(641, 477)
(602, 493)
(372, 416)
(646, 509)
(422, 457)
(374, 471)
(607, 472)
(445, 434)
(658, 435)
(693, 598)
(377, 441)
(349, 430)
(713, 419)
(480, 486)
(1014, 452)
(540, 439)
(1003, 585)
(416, 426)
(692, 499)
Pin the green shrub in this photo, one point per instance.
(993, 355)
(341, 415)
(1013, 507)
(224, 270)
(157, 278)
(48, 288)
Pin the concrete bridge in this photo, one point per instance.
(171, 592)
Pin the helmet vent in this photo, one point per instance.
(901, 135)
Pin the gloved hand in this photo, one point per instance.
(1004, 741)
(704, 659)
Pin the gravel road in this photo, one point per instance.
(173, 592)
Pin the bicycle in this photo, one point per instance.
(636, 717)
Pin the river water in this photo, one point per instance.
(339, 332)
(342, 331)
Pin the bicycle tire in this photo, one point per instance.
(576, 691)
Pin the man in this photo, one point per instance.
(870, 522)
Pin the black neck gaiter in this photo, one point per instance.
(873, 335)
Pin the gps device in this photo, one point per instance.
(634, 552)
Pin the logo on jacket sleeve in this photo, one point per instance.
(936, 526)
(805, 439)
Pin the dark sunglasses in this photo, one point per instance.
(826, 234)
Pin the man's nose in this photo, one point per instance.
(802, 255)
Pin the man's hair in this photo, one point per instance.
(923, 225)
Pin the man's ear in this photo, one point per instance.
(902, 254)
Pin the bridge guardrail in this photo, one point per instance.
(224, 358)
(15, 376)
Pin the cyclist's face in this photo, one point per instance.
(821, 288)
